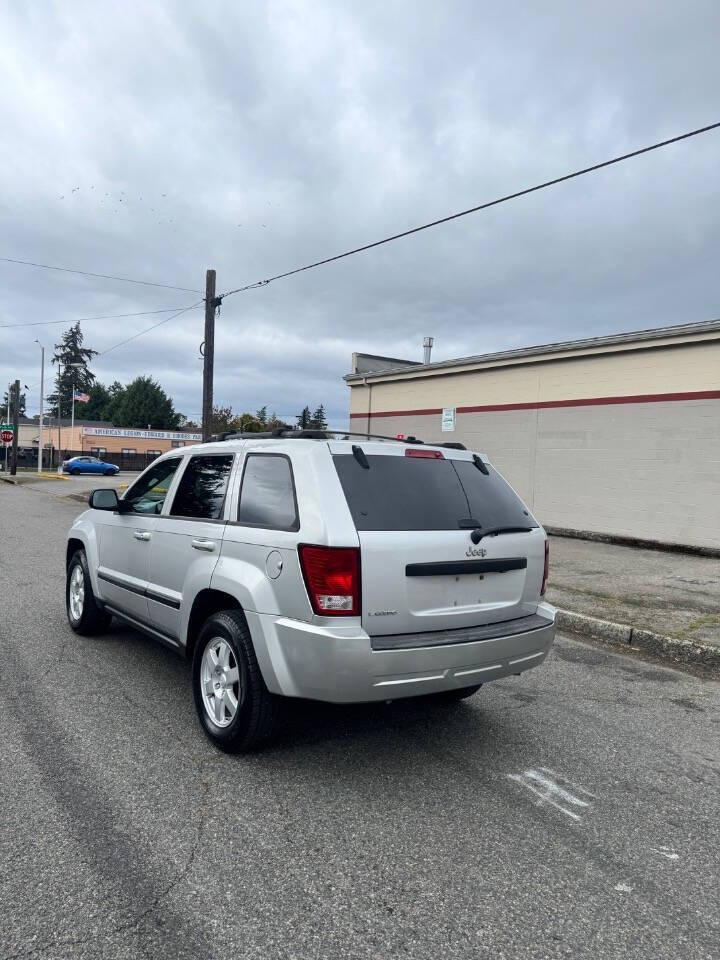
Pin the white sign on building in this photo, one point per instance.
(140, 434)
(448, 419)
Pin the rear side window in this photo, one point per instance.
(267, 495)
(404, 493)
(202, 487)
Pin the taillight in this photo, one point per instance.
(543, 588)
(332, 578)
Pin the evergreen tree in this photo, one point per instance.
(144, 403)
(116, 392)
(4, 408)
(318, 421)
(274, 423)
(262, 417)
(304, 418)
(70, 350)
(99, 404)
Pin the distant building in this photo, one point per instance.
(617, 435)
(101, 438)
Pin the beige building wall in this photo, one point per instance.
(674, 368)
(623, 442)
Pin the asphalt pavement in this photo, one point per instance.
(569, 812)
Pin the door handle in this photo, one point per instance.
(203, 545)
(141, 534)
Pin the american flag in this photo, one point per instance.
(82, 397)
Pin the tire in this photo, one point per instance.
(83, 613)
(455, 696)
(75, 471)
(256, 710)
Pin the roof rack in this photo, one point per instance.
(283, 434)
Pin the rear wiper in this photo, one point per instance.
(359, 455)
(496, 530)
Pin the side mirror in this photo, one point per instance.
(104, 499)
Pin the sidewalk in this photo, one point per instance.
(666, 602)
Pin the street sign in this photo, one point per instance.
(7, 432)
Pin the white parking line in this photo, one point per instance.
(552, 788)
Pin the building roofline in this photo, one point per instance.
(378, 356)
(64, 421)
(549, 349)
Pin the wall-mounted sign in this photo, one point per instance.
(140, 434)
(448, 419)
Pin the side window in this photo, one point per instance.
(148, 493)
(202, 487)
(267, 495)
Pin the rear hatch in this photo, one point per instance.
(445, 542)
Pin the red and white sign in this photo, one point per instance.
(7, 436)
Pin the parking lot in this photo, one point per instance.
(569, 812)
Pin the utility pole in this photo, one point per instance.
(42, 399)
(211, 304)
(72, 415)
(58, 410)
(7, 420)
(16, 425)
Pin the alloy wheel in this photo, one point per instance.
(77, 592)
(220, 682)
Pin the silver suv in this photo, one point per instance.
(343, 570)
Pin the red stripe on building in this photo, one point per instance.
(545, 404)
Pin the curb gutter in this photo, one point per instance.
(669, 648)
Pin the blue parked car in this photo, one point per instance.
(77, 465)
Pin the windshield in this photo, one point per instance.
(409, 493)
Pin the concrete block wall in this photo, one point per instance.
(645, 470)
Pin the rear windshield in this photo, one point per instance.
(404, 493)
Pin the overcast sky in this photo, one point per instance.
(154, 140)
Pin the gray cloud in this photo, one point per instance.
(254, 140)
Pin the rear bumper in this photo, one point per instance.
(339, 665)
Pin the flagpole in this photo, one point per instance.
(72, 417)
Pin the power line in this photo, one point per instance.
(101, 276)
(482, 206)
(108, 316)
(142, 332)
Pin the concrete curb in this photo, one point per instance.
(668, 648)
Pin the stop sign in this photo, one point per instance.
(7, 436)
